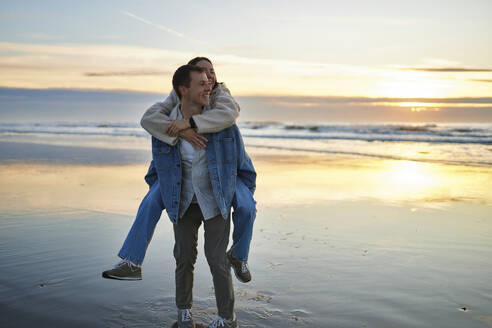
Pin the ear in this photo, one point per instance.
(182, 90)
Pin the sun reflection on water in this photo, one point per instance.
(389, 181)
(407, 180)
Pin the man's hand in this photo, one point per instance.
(176, 127)
(196, 140)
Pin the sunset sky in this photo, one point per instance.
(435, 54)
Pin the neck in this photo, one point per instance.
(188, 109)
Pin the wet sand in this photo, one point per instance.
(338, 242)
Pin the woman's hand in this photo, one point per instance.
(176, 127)
(196, 140)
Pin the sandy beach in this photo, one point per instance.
(339, 242)
(369, 124)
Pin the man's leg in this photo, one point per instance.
(216, 240)
(185, 253)
(138, 239)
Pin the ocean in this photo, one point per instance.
(463, 144)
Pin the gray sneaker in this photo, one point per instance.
(241, 269)
(185, 319)
(124, 270)
(221, 322)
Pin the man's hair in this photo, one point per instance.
(182, 77)
(195, 60)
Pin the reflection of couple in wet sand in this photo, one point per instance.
(199, 171)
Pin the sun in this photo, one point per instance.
(403, 84)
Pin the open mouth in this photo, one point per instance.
(206, 97)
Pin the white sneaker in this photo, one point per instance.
(221, 322)
(185, 319)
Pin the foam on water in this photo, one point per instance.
(469, 144)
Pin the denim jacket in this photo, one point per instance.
(227, 160)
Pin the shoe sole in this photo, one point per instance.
(237, 276)
(241, 280)
(108, 276)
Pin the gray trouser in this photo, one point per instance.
(185, 252)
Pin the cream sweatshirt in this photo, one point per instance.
(222, 114)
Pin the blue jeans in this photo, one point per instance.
(150, 210)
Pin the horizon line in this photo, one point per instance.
(351, 98)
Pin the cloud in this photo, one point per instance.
(159, 26)
(6, 16)
(307, 101)
(481, 80)
(357, 20)
(442, 62)
(24, 66)
(43, 36)
(165, 29)
(129, 73)
(146, 69)
(446, 69)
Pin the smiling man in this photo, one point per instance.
(198, 185)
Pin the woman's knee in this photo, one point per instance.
(247, 211)
(154, 198)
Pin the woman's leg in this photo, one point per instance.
(149, 213)
(243, 218)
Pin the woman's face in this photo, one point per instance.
(209, 70)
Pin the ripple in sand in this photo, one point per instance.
(299, 315)
(272, 265)
(260, 297)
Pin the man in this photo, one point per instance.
(199, 185)
(157, 119)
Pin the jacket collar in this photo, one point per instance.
(174, 112)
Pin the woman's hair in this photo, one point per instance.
(195, 60)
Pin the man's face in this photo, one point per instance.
(199, 90)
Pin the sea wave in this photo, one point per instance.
(443, 143)
(430, 133)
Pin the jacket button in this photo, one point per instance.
(178, 165)
(178, 183)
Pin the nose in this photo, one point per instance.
(208, 86)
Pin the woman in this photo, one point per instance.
(225, 111)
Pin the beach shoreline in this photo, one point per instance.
(338, 241)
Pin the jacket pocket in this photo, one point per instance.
(161, 149)
(227, 150)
